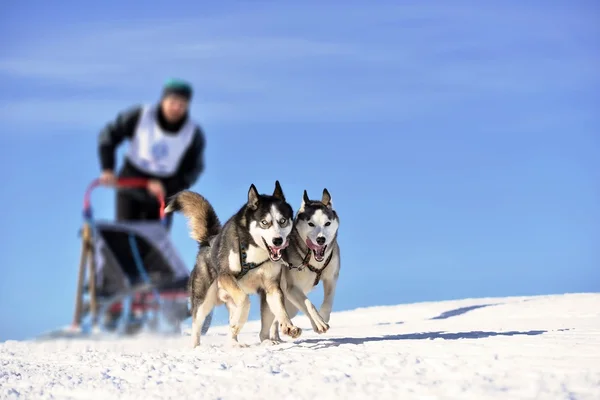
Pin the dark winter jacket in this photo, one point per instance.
(124, 126)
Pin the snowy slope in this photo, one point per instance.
(545, 347)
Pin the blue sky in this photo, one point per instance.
(459, 140)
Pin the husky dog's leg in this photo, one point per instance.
(274, 297)
(292, 311)
(274, 331)
(238, 319)
(240, 308)
(228, 301)
(329, 286)
(269, 330)
(267, 321)
(302, 303)
(200, 309)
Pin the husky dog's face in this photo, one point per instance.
(271, 220)
(317, 224)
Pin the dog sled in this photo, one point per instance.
(131, 278)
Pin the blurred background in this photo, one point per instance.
(459, 140)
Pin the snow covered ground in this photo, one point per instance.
(545, 347)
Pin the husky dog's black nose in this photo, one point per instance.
(277, 241)
(320, 240)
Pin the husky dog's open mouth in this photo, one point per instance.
(318, 251)
(274, 251)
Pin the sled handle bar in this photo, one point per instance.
(121, 182)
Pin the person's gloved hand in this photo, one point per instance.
(108, 177)
(156, 188)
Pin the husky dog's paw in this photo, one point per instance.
(320, 326)
(270, 342)
(271, 339)
(195, 343)
(290, 330)
(234, 344)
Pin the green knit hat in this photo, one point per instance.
(178, 87)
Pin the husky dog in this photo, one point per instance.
(312, 256)
(242, 257)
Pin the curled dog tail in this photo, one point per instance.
(202, 218)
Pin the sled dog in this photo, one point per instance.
(242, 257)
(313, 256)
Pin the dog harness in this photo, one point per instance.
(246, 266)
(306, 263)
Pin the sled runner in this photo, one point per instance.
(130, 275)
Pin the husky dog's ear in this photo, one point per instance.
(305, 201)
(278, 192)
(326, 199)
(253, 197)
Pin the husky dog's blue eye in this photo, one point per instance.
(282, 221)
(327, 223)
(264, 222)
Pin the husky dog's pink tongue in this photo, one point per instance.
(318, 251)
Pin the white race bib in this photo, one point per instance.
(154, 151)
